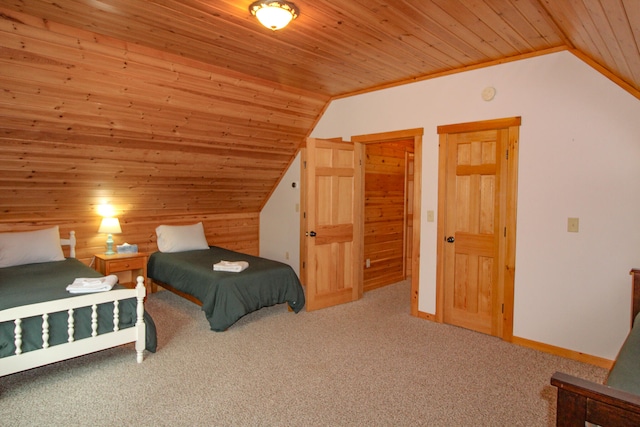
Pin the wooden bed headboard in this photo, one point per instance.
(71, 242)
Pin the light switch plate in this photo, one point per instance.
(573, 225)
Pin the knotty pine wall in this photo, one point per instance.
(86, 119)
(385, 212)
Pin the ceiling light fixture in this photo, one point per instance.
(274, 14)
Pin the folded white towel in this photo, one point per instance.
(83, 285)
(231, 266)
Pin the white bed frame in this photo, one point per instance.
(50, 354)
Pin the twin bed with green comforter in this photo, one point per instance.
(36, 308)
(225, 296)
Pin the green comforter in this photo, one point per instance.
(625, 375)
(33, 283)
(226, 297)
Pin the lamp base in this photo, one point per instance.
(109, 245)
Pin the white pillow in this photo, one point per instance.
(179, 238)
(30, 247)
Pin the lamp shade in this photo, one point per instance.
(274, 14)
(110, 226)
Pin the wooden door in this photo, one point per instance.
(477, 225)
(333, 220)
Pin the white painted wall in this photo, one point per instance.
(579, 157)
(280, 221)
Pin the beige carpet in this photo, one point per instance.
(367, 363)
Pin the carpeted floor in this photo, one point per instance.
(365, 363)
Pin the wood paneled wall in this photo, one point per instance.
(86, 119)
(385, 212)
(238, 232)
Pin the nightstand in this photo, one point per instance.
(126, 266)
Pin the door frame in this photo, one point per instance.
(507, 255)
(416, 134)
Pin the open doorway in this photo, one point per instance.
(387, 211)
(392, 172)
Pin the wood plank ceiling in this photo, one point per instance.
(341, 47)
(204, 81)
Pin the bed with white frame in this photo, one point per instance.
(136, 330)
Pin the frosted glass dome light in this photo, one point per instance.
(274, 15)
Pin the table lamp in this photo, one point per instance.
(110, 226)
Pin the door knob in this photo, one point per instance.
(312, 234)
(451, 239)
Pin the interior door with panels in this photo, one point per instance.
(476, 229)
(332, 221)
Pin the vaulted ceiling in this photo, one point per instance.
(204, 81)
(340, 47)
